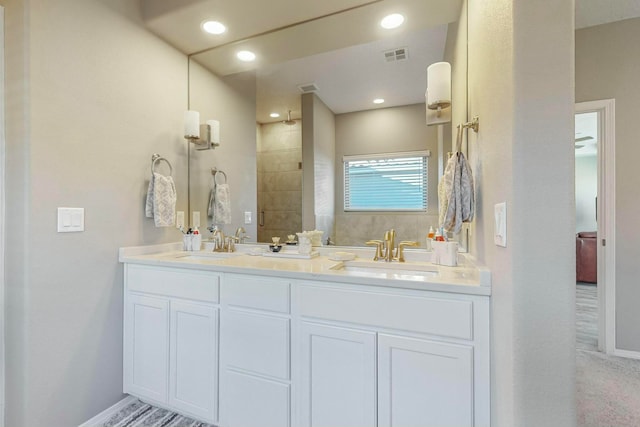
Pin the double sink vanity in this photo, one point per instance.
(243, 339)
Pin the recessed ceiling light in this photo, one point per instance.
(274, 115)
(213, 27)
(392, 21)
(378, 101)
(245, 55)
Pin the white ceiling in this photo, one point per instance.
(596, 12)
(340, 49)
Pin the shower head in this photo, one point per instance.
(289, 122)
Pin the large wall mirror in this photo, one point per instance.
(285, 174)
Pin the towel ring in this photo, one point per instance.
(156, 158)
(215, 173)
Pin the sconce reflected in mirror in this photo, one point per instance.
(204, 136)
(438, 95)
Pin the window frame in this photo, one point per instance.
(348, 192)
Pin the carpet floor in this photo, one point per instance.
(607, 387)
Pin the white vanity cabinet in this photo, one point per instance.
(236, 348)
(171, 338)
(255, 336)
(391, 358)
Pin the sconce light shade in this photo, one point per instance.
(214, 129)
(193, 130)
(439, 85)
(438, 95)
(191, 124)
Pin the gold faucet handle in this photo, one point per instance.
(378, 244)
(401, 247)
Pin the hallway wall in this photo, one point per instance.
(606, 69)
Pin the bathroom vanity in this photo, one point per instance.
(240, 340)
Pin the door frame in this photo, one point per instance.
(605, 211)
(2, 215)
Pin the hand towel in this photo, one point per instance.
(212, 197)
(456, 194)
(222, 205)
(161, 200)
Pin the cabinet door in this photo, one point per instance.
(193, 361)
(146, 356)
(338, 376)
(424, 383)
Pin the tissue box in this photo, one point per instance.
(444, 253)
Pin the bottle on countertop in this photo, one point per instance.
(430, 237)
(196, 240)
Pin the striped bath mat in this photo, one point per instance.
(140, 414)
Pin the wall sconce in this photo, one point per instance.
(438, 95)
(203, 136)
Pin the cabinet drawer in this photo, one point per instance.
(188, 284)
(256, 343)
(256, 292)
(443, 317)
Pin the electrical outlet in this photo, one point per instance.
(247, 217)
(180, 219)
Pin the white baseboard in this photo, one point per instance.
(629, 354)
(104, 415)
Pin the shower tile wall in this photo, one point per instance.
(279, 158)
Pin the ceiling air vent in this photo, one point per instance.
(308, 88)
(398, 54)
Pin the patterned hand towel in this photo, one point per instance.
(212, 197)
(456, 194)
(161, 200)
(222, 205)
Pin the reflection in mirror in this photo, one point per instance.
(289, 177)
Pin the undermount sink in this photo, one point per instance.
(400, 270)
(203, 256)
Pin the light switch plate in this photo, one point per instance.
(70, 220)
(247, 217)
(500, 224)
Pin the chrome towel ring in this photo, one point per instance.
(156, 158)
(215, 173)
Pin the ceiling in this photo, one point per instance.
(336, 44)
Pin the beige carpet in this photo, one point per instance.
(607, 388)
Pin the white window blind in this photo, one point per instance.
(386, 182)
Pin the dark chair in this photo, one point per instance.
(587, 257)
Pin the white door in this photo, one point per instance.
(193, 361)
(424, 383)
(338, 369)
(146, 347)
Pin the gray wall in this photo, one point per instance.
(586, 191)
(230, 100)
(525, 157)
(385, 130)
(605, 69)
(91, 96)
(318, 160)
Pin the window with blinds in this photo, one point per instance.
(386, 182)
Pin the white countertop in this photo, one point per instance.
(416, 273)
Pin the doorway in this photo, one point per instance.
(595, 147)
